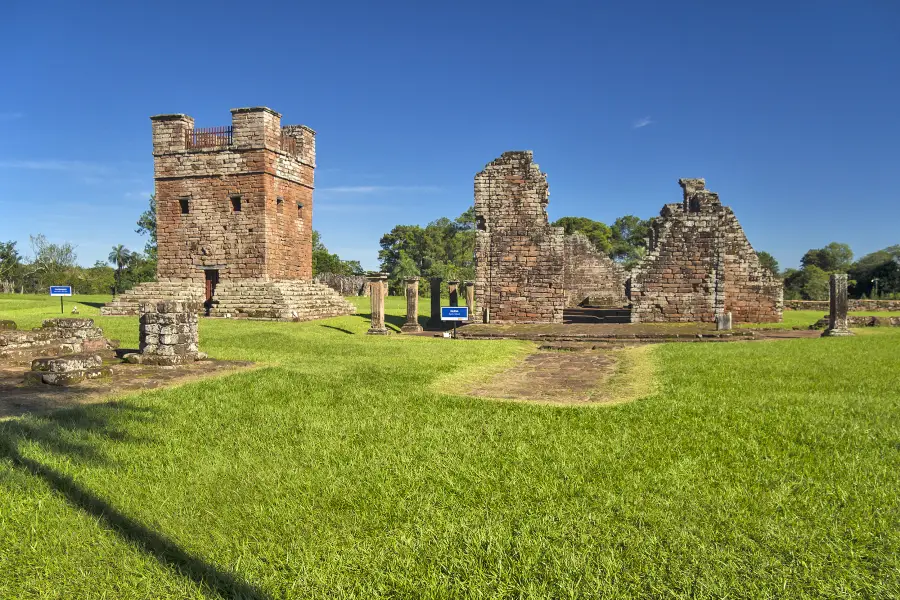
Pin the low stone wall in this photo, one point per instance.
(55, 336)
(854, 305)
(857, 321)
(345, 285)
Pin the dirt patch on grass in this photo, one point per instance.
(18, 397)
(572, 374)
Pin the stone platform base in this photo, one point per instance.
(293, 300)
(54, 337)
(278, 300)
(67, 370)
(128, 303)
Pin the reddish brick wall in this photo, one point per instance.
(518, 256)
(700, 263)
(268, 238)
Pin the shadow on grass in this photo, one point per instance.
(91, 304)
(394, 322)
(341, 329)
(50, 433)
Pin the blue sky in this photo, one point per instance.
(790, 110)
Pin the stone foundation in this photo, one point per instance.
(67, 370)
(853, 305)
(278, 300)
(169, 334)
(169, 290)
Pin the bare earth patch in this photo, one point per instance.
(573, 374)
(18, 397)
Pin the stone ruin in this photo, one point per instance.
(699, 266)
(234, 220)
(169, 334)
(54, 336)
(527, 271)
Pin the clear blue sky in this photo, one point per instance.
(790, 110)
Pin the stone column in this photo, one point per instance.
(412, 306)
(470, 298)
(723, 321)
(377, 284)
(435, 320)
(454, 292)
(837, 317)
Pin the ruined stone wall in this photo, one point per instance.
(853, 304)
(345, 285)
(591, 274)
(699, 264)
(269, 167)
(519, 257)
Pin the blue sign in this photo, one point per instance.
(454, 313)
(60, 290)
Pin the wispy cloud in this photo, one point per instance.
(69, 166)
(377, 189)
(643, 122)
(354, 208)
(11, 116)
(143, 195)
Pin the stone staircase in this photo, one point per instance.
(127, 303)
(280, 300)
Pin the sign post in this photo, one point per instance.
(455, 314)
(61, 291)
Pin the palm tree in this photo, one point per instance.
(120, 256)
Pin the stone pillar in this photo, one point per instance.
(723, 321)
(838, 304)
(377, 284)
(470, 298)
(412, 306)
(169, 334)
(454, 292)
(434, 321)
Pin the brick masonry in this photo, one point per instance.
(519, 257)
(241, 208)
(591, 274)
(700, 264)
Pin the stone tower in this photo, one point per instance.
(237, 200)
(234, 219)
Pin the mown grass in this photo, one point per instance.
(752, 470)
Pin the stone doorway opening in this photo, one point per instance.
(212, 280)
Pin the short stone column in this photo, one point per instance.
(454, 292)
(723, 321)
(434, 321)
(470, 298)
(412, 306)
(838, 304)
(377, 285)
(169, 334)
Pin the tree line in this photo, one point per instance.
(44, 263)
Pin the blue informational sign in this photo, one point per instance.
(60, 290)
(454, 313)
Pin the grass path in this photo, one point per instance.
(337, 470)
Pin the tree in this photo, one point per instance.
(49, 264)
(768, 262)
(877, 265)
(10, 266)
(120, 257)
(326, 262)
(598, 233)
(629, 239)
(146, 225)
(808, 283)
(833, 258)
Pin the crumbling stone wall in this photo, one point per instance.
(700, 264)
(55, 336)
(345, 285)
(519, 257)
(268, 167)
(589, 273)
(853, 304)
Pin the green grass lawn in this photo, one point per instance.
(335, 470)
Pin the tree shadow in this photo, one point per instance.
(394, 322)
(341, 329)
(53, 432)
(91, 304)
